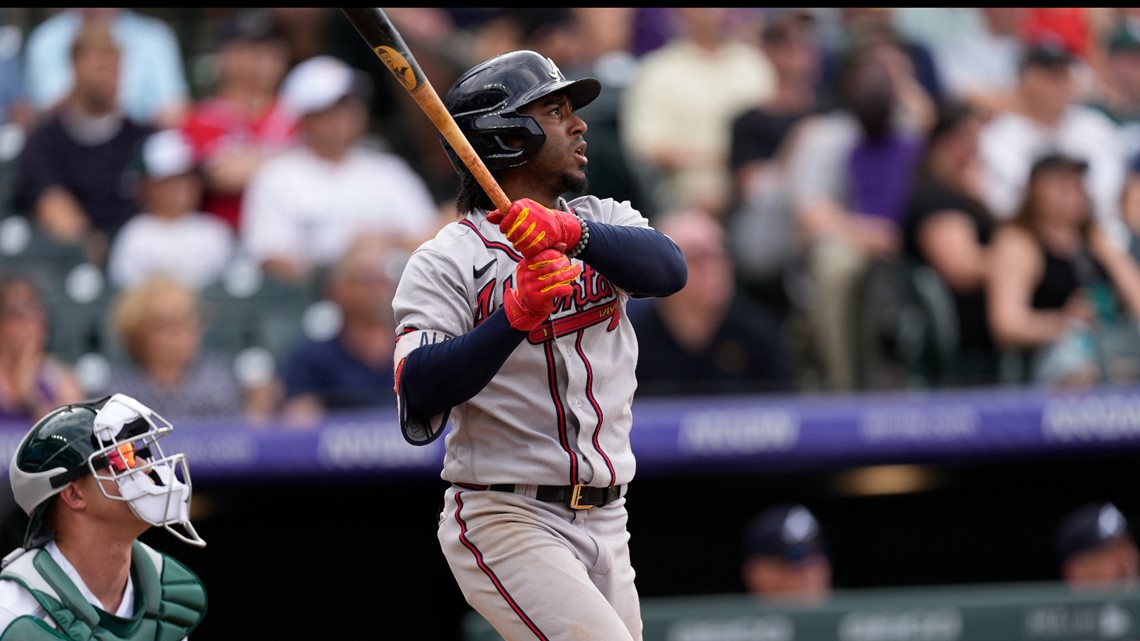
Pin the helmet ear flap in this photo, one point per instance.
(501, 141)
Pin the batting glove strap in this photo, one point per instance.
(539, 281)
(520, 316)
(531, 227)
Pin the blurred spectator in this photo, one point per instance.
(73, 172)
(788, 40)
(1119, 95)
(154, 89)
(352, 368)
(240, 124)
(1096, 548)
(562, 35)
(982, 67)
(1058, 289)
(1049, 117)
(1068, 27)
(15, 110)
(305, 30)
(608, 29)
(681, 143)
(706, 338)
(304, 207)
(14, 105)
(935, 26)
(848, 173)
(170, 235)
(32, 381)
(160, 324)
(653, 27)
(760, 222)
(785, 556)
(1130, 206)
(861, 24)
(948, 227)
(443, 49)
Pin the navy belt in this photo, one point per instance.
(577, 497)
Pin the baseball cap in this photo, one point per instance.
(1089, 527)
(320, 82)
(252, 25)
(787, 531)
(165, 153)
(1056, 160)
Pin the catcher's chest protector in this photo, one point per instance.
(170, 601)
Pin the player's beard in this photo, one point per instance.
(576, 183)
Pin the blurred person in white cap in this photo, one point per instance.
(1096, 548)
(304, 207)
(170, 235)
(785, 556)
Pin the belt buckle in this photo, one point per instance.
(575, 497)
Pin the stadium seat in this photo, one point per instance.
(24, 248)
(12, 138)
(246, 308)
(78, 306)
(906, 333)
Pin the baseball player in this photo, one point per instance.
(512, 329)
(93, 478)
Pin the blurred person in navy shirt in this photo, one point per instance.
(73, 175)
(708, 337)
(352, 367)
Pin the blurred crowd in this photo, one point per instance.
(209, 208)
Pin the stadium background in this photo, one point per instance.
(352, 554)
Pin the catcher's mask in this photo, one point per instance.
(485, 101)
(115, 439)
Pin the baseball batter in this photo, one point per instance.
(512, 329)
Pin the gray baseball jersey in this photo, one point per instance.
(558, 411)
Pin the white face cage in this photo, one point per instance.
(156, 486)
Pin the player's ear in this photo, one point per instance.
(73, 496)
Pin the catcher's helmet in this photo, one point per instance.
(485, 101)
(114, 438)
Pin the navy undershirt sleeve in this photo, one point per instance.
(642, 261)
(437, 377)
(440, 376)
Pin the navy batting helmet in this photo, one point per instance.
(485, 101)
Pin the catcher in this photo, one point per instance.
(92, 478)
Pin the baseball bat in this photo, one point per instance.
(386, 42)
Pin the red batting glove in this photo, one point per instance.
(539, 280)
(531, 227)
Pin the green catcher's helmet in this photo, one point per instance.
(114, 438)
